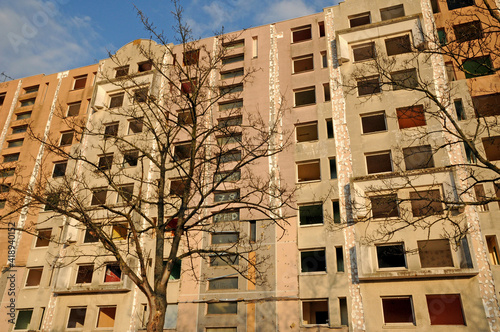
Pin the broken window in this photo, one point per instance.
(73, 109)
(384, 206)
(418, 157)
(305, 96)
(329, 128)
(175, 272)
(19, 129)
(492, 148)
(31, 89)
(8, 158)
(392, 12)
(5, 187)
(487, 105)
(301, 34)
(468, 31)
(315, 312)
(144, 66)
(459, 109)
(333, 168)
(391, 255)
(481, 197)
(311, 214)
(374, 122)
(111, 130)
(184, 117)
(232, 74)
(303, 63)
(66, 138)
(226, 196)
(308, 171)
(80, 82)
(398, 309)
(224, 238)
(219, 308)
(378, 162)
(130, 158)
(492, 243)
(398, 45)
(411, 116)
(455, 4)
(191, 57)
(6, 172)
(53, 200)
(307, 132)
(224, 260)
(435, 253)
(344, 315)
(405, 79)
(113, 273)
(76, 317)
(227, 176)
(125, 193)
(480, 66)
(445, 309)
(177, 187)
(116, 100)
(28, 102)
(106, 316)
(368, 86)
(119, 231)
(34, 276)
(442, 37)
(231, 105)
(99, 196)
(135, 126)
(223, 283)
(359, 19)
(105, 162)
(232, 59)
(60, 169)
(84, 274)
(224, 90)
(121, 71)
(90, 236)
(313, 261)
(23, 319)
(364, 52)
(15, 143)
(339, 253)
(227, 215)
(426, 203)
(43, 238)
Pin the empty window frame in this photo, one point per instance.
(232, 105)
(34, 277)
(223, 283)
(23, 319)
(445, 309)
(175, 272)
(392, 12)
(130, 158)
(182, 151)
(84, 274)
(99, 196)
(19, 129)
(28, 102)
(73, 109)
(411, 116)
(333, 168)
(224, 260)
(321, 28)
(226, 196)
(391, 256)
(229, 139)
(426, 203)
(305, 96)
(125, 193)
(222, 308)
(368, 86)
(339, 255)
(313, 261)
(144, 66)
(398, 45)
(191, 57)
(113, 273)
(344, 311)
(224, 238)
(384, 206)
(8, 158)
(116, 100)
(359, 19)
(80, 82)
(398, 309)
(2, 203)
(23, 116)
(326, 91)
(66, 138)
(5, 187)
(106, 316)
(31, 89)
(378, 162)
(418, 157)
(329, 128)
(43, 238)
(227, 215)
(435, 253)
(90, 236)
(324, 60)
(111, 130)
(486, 105)
(6, 172)
(53, 200)
(442, 39)
(459, 109)
(135, 126)
(232, 74)
(76, 317)
(364, 51)
(233, 59)
(228, 89)
(307, 132)
(480, 66)
(105, 162)
(481, 197)
(315, 312)
(374, 122)
(308, 171)
(468, 31)
(121, 71)
(15, 143)
(301, 34)
(493, 253)
(311, 214)
(455, 4)
(405, 79)
(303, 63)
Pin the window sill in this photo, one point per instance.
(311, 141)
(305, 105)
(304, 71)
(399, 326)
(309, 181)
(375, 132)
(370, 95)
(315, 273)
(311, 225)
(300, 41)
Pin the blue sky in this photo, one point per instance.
(48, 36)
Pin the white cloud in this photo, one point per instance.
(284, 10)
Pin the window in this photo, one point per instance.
(324, 60)
(481, 197)
(321, 27)
(255, 47)
(329, 128)
(253, 230)
(105, 162)
(307, 132)
(6, 172)
(418, 157)
(66, 138)
(84, 274)
(99, 196)
(23, 116)
(141, 95)
(144, 66)
(224, 238)
(15, 143)
(392, 12)
(90, 236)
(227, 215)
(53, 200)
(455, 4)
(232, 59)
(305, 96)
(468, 31)
(60, 169)
(234, 44)
(34, 276)
(230, 121)
(426, 203)
(480, 66)
(308, 171)
(231, 89)
(398, 45)
(224, 260)
(28, 102)
(130, 158)
(80, 82)
(110, 130)
(43, 238)
(378, 162)
(344, 316)
(398, 309)
(226, 196)
(219, 308)
(227, 176)
(2, 98)
(313, 261)
(8, 158)
(310, 214)
(221, 329)
(23, 319)
(391, 256)
(188, 86)
(384, 206)
(372, 123)
(229, 156)
(406, 79)
(177, 187)
(339, 254)
(333, 168)
(303, 63)
(184, 117)
(116, 100)
(359, 19)
(31, 89)
(175, 272)
(487, 105)
(336, 212)
(73, 109)
(121, 71)
(191, 57)
(19, 129)
(113, 273)
(459, 109)
(135, 126)
(364, 52)
(471, 157)
(232, 74)
(435, 253)
(223, 283)
(229, 139)
(435, 6)
(492, 243)
(125, 193)
(301, 34)
(445, 309)
(106, 317)
(442, 37)
(315, 312)
(411, 116)
(4, 187)
(182, 151)
(2, 203)
(368, 86)
(326, 91)
(231, 105)
(492, 148)
(171, 226)
(171, 316)
(76, 317)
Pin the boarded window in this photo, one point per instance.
(368, 86)
(307, 132)
(135, 126)
(384, 206)
(110, 130)
(418, 157)
(373, 122)
(311, 214)
(301, 34)
(99, 196)
(378, 162)
(435, 253)
(406, 79)
(303, 63)
(392, 12)
(227, 215)
(130, 158)
(220, 308)
(315, 312)
(364, 52)
(224, 260)
(84, 274)
(191, 57)
(480, 66)
(426, 203)
(232, 74)
(34, 276)
(105, 162)
(223, 283)
(398, 45)
(113, 273)
(233, 59)
(73, 109)
(468, 31)
(226, 196)
(411, 116)
(23, 319)
(398, 310)
(492, 243)
(76, 318)
(487, 105)
(182, 151)
(43, 238)
(305, 96)
(224, 238)
(313, 261)
(445, 309)
(455, 4)
(121, 71)
(116, 100)
(106, 317)
(308, 171)
(492, 147)
(359, 19)
(391, 256)
(339, 253)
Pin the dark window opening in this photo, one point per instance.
(336, 212)
(326, 91)
(315, 312)
(406, 79)
(307, 132)
(105, 162)
(459, 109)
(233, 59)
(188, 86)
(372, 123)
(119, 231)
(130, 158)
(339, 253)
(480, 66)
(426, 203)
(304, 63)
(384, 206)
(360, 19)
(391, 256)
(455, 4)
(191, 57)
(125, 193)
(28, 102)
(231, 106)
(73, 109)
(224, 260)
(308, 171)
(141, 95)
(301, 34)
(487, 105)
(19, 129)
(232, 74)
(398, 45)
(59, 169)
(398, 310)
(468, 31)
(23, 319)
(321, 26)
(8, 158)
(135, 126)
(445, 309)
(116, 100)
(230, 121)
(15, 143)
(231, 89)
(121, 71)
(305, 96)
(110, 130)
(76, 318)
(223, 283)
(177, 187)
(99, 196)
(378, 162)
(184, 118)
(182, 151)
(313, 261)
(364, 52)
(34, 277)
(80, 82)
(145, 66)
(329, 128)
(113, 273)
(492, 243)
(31, 89)
(229, 156)
(90, 236)
(43, 238)
(224, 238)
(84, 274)
(311, 214)
(368, 86)
(442, 37)
(2, 98)
(392, 12)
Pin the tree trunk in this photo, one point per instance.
(157, 314)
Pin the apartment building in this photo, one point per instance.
(368, 155)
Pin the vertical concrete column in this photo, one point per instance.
(456, 157)
(344, 173)
(11, 113)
